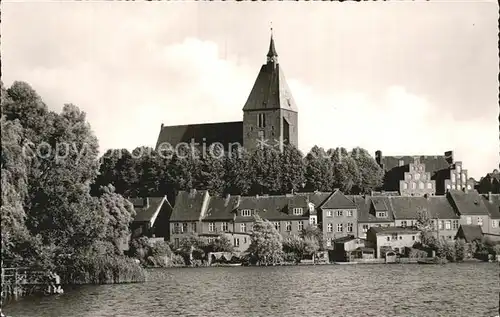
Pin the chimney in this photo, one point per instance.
(448, 155)
(145, 202)
(378, 157)
(490, 199)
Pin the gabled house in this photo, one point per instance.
(373, 211)
(394, 239)
(338, 214)
(152, 217)
(470, 207)
(492, 203)
(470, 233)
(190, 208)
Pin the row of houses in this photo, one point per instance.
(337, 215)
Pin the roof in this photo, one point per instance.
(469, 203)
(274, 207)
(380, 204)
(208, 133)
(317, 198)
(470, 232)
(493, 205)
(188, 205)
(270, 90)
(364, 205)
(345, 239)
(408, 207)
(391, 230)
(146, 208)
(433, 163)
(221, 208)
(338, 200)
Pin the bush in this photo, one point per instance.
(160, 248)
(103, 269)
(415, 253)
(177, 260)
(290, 257)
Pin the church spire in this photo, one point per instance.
(272, 56)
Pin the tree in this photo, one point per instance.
(220, 244)
(319, 170)
(460, 250)
(266, 243)
(265, 171)
(237, 176)
(192, 247)
(300, 246)
(424, 224)
(209, 172)
(314, 233)
(371, 174)
(292, 176)
(346, 173)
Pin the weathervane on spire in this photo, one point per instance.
(272, 56)
(271, 26)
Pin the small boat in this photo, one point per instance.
(345, 263)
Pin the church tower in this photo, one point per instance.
(270, 116)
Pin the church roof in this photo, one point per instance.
(223, 132)
(270, 90)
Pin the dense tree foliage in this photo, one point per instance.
(49, 161)
(300, 246)
(266, 243)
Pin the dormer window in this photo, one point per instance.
(381, 214)
(298, 211)
(246, 212)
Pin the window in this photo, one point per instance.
(421, 185)
(329, 213)
(236, 242)
(400, 237)
(300, 226)
(243, 227)
(365, 228)
(312, 220)
(289, 226)
(340, 227)
(413, 185)
(417, 176)
(409, 177)
(455, 224)
(261, 120)
(211, 227)
(184, 227)
(211, 240)
(176, 242)
(381, 214)
(328, 242)
(458, 168)
(330, 227)
(349, 227)
(452, 178)
(394, 236)
(246, 212)
(413, 238)
(193, 227)
(447, 225)
(440, 225)
(479, 221)
(349, 213)
(339, 213)
(177, 228)
(403, 223)
(405, 185)
(463, 177)
(224, 226)
(469, 220)
(449, 238)
(298, 211)
(277, 226)
(245, 240)
(494, 223)
(388, 239)
(429, 185)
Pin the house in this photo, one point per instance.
(470, 206)
(189, 209)
(457, 179)
(152, 217)
(443, 217)
(470, 233)
(338, 217)
(344, 247)
(373, 211)
(394, 239)
(492, 203)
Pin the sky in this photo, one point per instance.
(405, 78)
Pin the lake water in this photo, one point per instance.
(332, 290)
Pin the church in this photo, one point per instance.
(270, 117)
